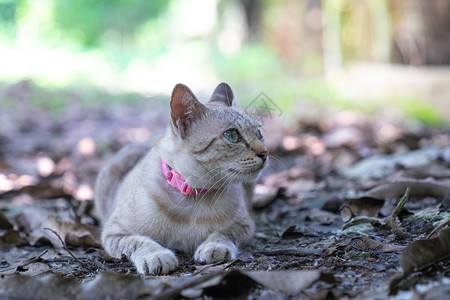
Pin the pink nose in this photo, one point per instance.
(263, 155)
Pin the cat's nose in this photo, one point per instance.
(263, 155)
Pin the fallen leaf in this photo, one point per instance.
(35, 219)
(363, 206)
(343, 136)
(77, 235)
(322, 217)
(234, 285)
(291, 233)
(419, 188)
(367, 244)
(35, 269)
(422, 253)
(103, 286)
(4, 222)
(290, 282)
(379, 166)
(11, 238)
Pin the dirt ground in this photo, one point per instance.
(350, 207)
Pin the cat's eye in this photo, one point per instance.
(259, 134)
(232, 135)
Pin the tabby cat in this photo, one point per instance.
(189, 191)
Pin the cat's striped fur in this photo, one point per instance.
(145, 219)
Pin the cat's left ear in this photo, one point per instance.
(184, 108)
(222, 95)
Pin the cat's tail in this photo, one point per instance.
(111, 175)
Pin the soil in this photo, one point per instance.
(329, 222)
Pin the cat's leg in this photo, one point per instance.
(223, 245)
(148, 256)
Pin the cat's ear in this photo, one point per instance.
(184, 108)
(223, 95)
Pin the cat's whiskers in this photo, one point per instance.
(222, 179)
(277, 158)
(227, 189)
(205, 186)
(222, 188)
(231, 177)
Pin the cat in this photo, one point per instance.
(189, 192)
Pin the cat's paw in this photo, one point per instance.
(155, 263)
(212, 252)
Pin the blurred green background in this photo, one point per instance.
(372, 55)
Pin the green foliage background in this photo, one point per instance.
(93, 45)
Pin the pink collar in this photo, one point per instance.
(176, 180)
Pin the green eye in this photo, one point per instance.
(232, 135)
(259, 134)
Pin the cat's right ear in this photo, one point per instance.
(223, 95)
(184, 108)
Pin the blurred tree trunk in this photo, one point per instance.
(420, 31)
(293, 28)
(253, 9)
(436, 19)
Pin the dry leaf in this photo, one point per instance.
(4, 222)
(290, 282)
(291, 233)
(422, 253)
(322, 217)
(363, 206)
(419, 188)
(77, 235)
(367, 244)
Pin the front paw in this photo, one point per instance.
(212, 252)
(155, 263)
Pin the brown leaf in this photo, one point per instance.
(367, 244)
(286, 282)
(11, 238)
(422, 253)
(419, 188)
(234, 285)
(51, 286)
(35, 219)
(4, 222)
(363, 206)
(322, 217)
(291, 233)
(34, 269)
(77, 235)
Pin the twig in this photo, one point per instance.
(291, 252)
(34, 259)
(393, 217)
(68, 251)
(171, 292)
(26, 262)
(231, 263)
(447, 222)
(225, 266)
(361, 220)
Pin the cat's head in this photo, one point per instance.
(224, 143)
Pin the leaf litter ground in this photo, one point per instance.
(329, 223)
